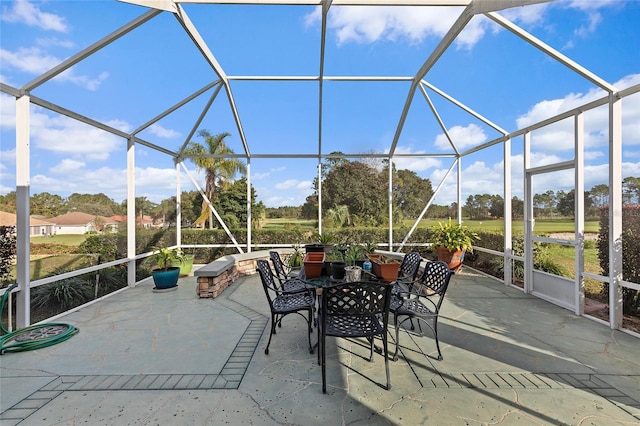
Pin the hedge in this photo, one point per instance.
(630, 253)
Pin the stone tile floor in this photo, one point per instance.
(171, 358)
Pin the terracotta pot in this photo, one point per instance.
(313, 263)
(452, 258)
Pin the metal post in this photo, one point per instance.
(579, 213)
(131, 212)
(390, 201)
(615, 211)
(528, 216)
(178, 207)
(508, 216)
(23, 305)
(249, 214)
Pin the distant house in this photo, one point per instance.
(145, 222)
(37, 227)
(79, 223)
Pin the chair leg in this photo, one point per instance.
(395, 323)
(271, 333)
(385, 344)
(435, 335)
(310, 330)
(324, 364)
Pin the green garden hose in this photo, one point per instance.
(35, 336)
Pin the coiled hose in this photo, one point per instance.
(35, 336)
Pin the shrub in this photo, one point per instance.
(7, 251)
(61, 295)
(630, 245)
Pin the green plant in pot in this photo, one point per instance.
(452, 241)
(334, 264)
(353, 255)
(294, 259)
(326, 239)
(185, 263)
(165, 275)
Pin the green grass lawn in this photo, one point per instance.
(546, 226)
(67, 240)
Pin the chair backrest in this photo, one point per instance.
(435, 280)
(410, 266)
(357, 298)
(266, 276)
(278, 265)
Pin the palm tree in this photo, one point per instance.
(219, 170)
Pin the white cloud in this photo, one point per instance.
(161, 132)
(559, 136)
(415, 164)
(22, 11)
(67, 166)
(66, 136)
(34, 61)
(370, 24)
(287, 184)
(55, 41)
(462, 137)
(28, 59)
(7, 112)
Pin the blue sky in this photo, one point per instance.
(156, 66)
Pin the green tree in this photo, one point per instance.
(48, 205)
(219, 170)
(231, 204)
(631, 190)
(191, 206)
(599, 195)
(411, 193)
(95, 204)
(359, 187)
(8, 202)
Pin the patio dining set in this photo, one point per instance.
(358, 309)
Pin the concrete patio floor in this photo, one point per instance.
(171, 358)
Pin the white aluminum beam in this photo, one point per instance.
(175, 107)
(23, 184)
(439, 119)
(549, 51)
(195, 126)
(579, 213)
(213, 210)
(444, 44)
(131, 212)
(433, 197)
(65, 65)
(615, 211)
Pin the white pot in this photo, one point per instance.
(352, 273)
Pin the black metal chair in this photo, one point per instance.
(283, 302)
(356, 309)
(418, 301)
(407, 272)
(287, 281)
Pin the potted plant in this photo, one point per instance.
(326, 240)
(166, 276)
(353, 254)
(385, 267)
(185, 263)
(294, 259)
(334, 264)
(452, 241)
